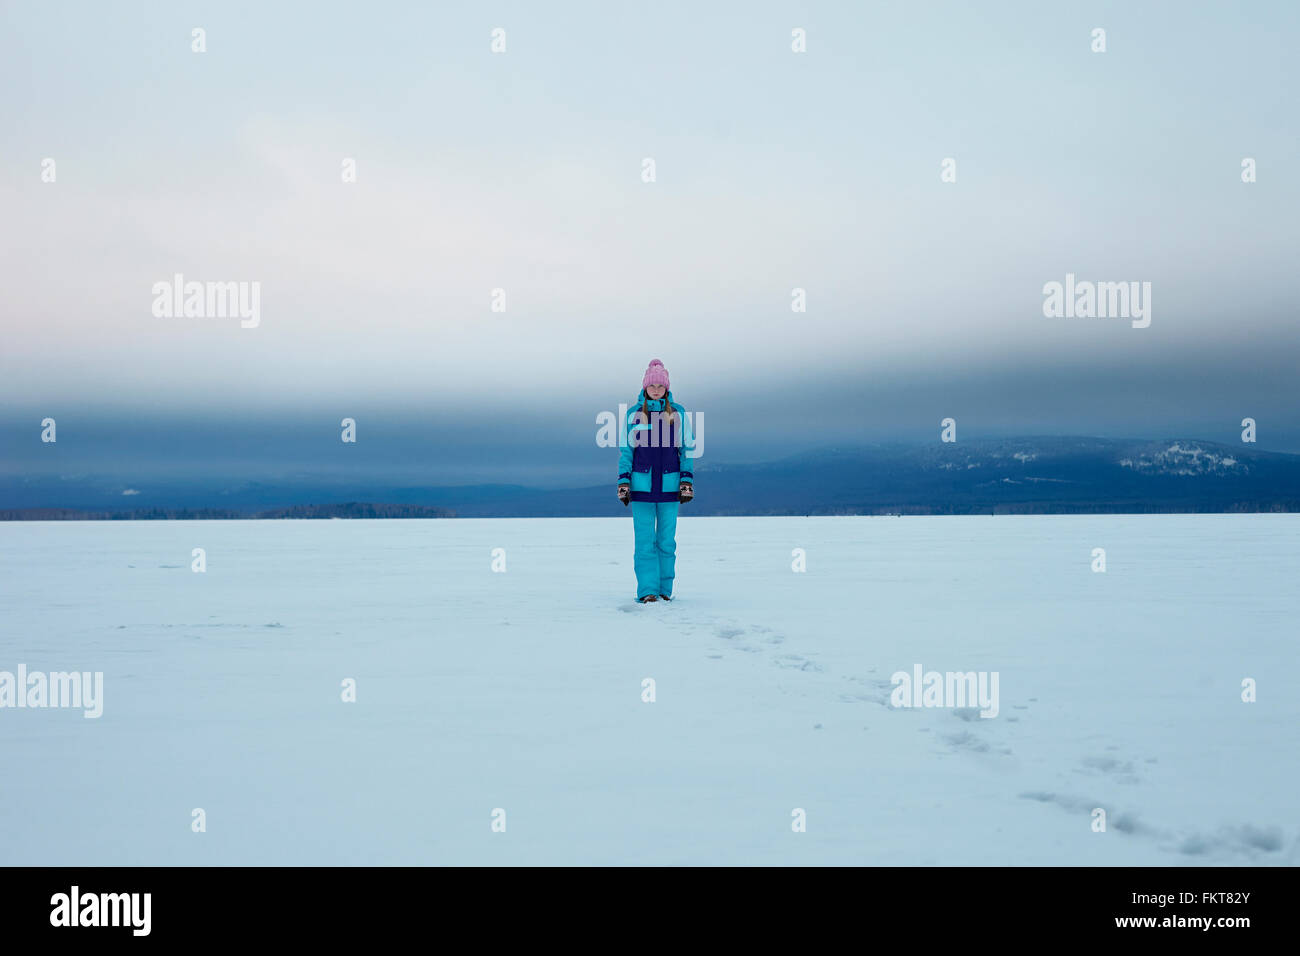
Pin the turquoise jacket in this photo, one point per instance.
(654, 468)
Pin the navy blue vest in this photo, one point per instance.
(658, 454)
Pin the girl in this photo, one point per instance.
(654, 474)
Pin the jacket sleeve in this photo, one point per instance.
(625, 451)
(686, 454)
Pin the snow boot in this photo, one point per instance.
(648, 599)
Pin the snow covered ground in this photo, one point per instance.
(522, 690)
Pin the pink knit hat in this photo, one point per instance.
(656, 374)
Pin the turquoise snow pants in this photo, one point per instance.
(655, 557)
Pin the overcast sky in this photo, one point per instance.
(775, 170)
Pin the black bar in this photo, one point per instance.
(980, 906)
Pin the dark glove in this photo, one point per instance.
(624, 494)
(685, 492)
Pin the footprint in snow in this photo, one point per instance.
(966, 741)
(1121, 770)
(1227, 842)
(795, 662)
(881, 699)
(1247, 838)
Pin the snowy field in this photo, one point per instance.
(522, 691)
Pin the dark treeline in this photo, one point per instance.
(351, 509)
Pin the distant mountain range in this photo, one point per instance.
(1051, 475)
(1023, 476)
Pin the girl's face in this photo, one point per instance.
(654, 392)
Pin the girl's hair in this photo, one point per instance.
(669, 416)
(668, 412)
